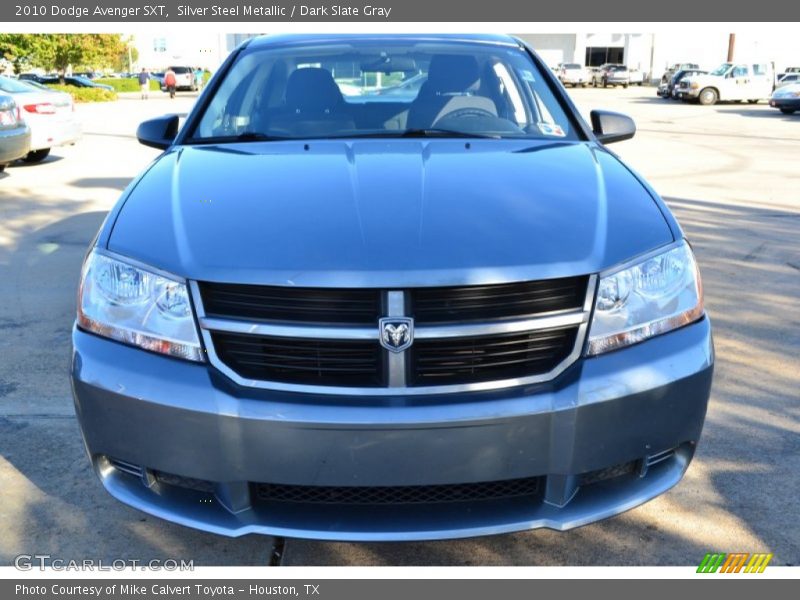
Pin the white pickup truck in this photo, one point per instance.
(730, 81)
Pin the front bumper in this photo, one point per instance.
(164, 415)
(791, 103)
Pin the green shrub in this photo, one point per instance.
(127, 85)
(80, 94)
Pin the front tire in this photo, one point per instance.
(708, 96)
(36, 156)
(755, 101)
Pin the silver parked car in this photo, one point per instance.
(15, 136)
(573, 74)
(49, 113)
(620, 75)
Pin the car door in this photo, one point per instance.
(739, 83)
(761, 82)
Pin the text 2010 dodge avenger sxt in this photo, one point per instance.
(389, 288)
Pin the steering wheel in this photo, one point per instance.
(468, 112)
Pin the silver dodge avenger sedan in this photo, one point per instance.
(389, 288)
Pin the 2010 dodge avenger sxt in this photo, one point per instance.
(389, 288)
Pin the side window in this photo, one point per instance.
(760, 69)
(740, 71)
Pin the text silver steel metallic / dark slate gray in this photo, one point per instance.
(389, 288)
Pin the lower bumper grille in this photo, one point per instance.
(417, 494)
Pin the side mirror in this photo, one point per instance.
(158, 133)
(610, 127)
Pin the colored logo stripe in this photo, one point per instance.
(734, 562)
(758, 563)
(710, 563)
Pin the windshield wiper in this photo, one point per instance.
(439, 132)
(428, 132)
(247, 136)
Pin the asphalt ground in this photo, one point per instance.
(729, 172)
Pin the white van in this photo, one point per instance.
(731, 81)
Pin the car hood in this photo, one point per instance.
(707, 78)
(387, 212)
(788, 90)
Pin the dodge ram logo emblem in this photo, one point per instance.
(397, 333)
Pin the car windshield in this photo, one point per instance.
(722, 69)
(389, 88)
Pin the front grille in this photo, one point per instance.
(277, 337)
(489, 302)
(302, 361)
(290, 304)
(489, 358)
(416, 494)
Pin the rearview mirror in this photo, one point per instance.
(158, 133)
(610, 127)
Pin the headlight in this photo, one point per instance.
(138, 307)
(694, 85)
(657, 295)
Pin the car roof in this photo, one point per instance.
(305, 39)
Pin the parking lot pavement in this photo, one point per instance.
(728, 171)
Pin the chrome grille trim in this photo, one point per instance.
(397, 361)
(333, 332)
(397, 386)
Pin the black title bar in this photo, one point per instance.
(418, 11)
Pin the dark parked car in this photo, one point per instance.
(457, 314)
(678, 67)
(786, 98)
(15, 136)
(75, 81)
(670, 89)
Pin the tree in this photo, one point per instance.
(127, 57)
(20, 49)
(59, 51)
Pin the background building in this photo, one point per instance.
(648, 52)
(653, 53)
